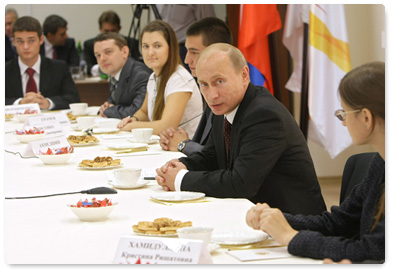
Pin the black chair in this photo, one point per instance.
(354, 171)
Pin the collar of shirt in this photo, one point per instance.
(36, 66)
(48, 48)
(231, 116)
(118, 75)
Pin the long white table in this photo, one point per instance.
(45, 231)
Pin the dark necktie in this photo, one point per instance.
(54, 53)
(113, 86)
(31, 83)
(227, 130)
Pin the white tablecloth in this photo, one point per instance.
(45, 231)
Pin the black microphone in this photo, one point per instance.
(99, 190)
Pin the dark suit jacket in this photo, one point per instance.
(202, 133)
(9, 52)
(89, 53)
(269, 159)
(130, 91)
(55, 83)
(67, 53)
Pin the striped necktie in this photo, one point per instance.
(227, 131)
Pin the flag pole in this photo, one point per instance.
(304, 109)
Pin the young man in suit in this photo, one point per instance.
(57, 44)
(255, 149)
(199, 35)
(109, 21)
(32, 78)
(128, 77)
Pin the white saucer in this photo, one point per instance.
(154, 139)
(140, 184)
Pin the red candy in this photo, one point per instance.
(59, 151)
(93, 204)
(33, 131)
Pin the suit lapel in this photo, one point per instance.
(207, 128)
(45, 75)
(235, 132)
(123, 80)
(17, 77)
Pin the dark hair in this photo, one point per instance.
(213, 30)
(364, 87)
(52, 23)
(119, 40)
(171, 64)
(11, 10)
(27, 23)
(109, 17)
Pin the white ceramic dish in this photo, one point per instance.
(28, 138)
(238, 237)
(125, 145)
(93, 214)
(104, 130)
(23, 117)
(101, 168)
(55, 159)
(154, 139)
(177, 196)
(140, 184)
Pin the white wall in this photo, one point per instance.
(83, 19)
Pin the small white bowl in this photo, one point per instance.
(93, 213)
(26, 138)
(23, 117)
(55, 159)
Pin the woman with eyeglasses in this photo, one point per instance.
(355, 230)
(173, 98)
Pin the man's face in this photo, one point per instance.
(194, 45)
(59, 38)
(108, 27)
(110, 58)
(10, 18)
(223, 88)
(27, 44)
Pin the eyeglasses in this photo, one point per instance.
(341, 114)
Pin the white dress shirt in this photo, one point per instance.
(36, 76)
(181, 173)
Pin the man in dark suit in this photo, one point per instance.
(255, 150)
(32, 78)
(128, 77)
(10, 17)
(57, 44)
(108, 22)
(199, 35)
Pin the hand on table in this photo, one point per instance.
(272, 221)
(104, 107)
(125, 121)
(166, 174)
(170, 138)
(33, 97)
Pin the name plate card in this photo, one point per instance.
(42, 146)
(155, 250)
(51, 130)
(22, 108)
(60, 118)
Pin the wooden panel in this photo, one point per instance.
(93, 93)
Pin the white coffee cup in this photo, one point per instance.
(196, 233)
(85, 122)
(78, 108)
(127, 176)
(142, 134)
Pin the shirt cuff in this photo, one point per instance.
(51, 104)
(17, 101)
(180, 175)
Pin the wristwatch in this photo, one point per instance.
(182, 144)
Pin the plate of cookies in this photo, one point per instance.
(80, 141)
(161, 227)
(100, 163)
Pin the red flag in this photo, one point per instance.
(256, 23)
